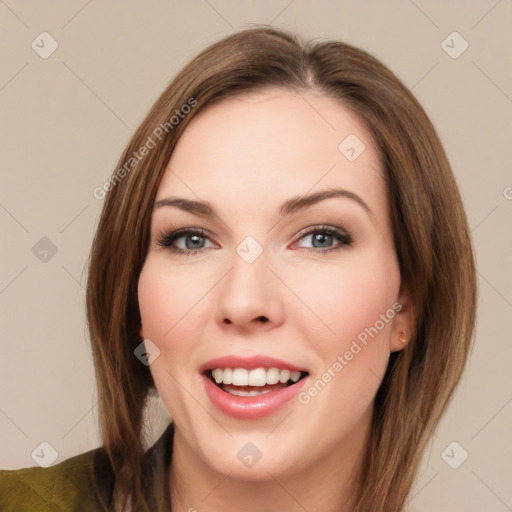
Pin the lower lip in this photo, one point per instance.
(251, 407)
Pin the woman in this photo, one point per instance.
(284, 257)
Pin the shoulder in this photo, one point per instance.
(65, 486)
(83, 482)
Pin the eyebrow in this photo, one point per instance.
(292, 205)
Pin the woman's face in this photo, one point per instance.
(262, 278)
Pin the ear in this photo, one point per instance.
(402, 323)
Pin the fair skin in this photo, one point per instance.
(297, 301)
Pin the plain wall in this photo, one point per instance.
(66, 118)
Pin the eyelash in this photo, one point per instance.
(167, 239)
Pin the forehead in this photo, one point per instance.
(273, 143)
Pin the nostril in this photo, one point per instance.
(263, 319)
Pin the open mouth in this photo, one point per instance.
(258, 381)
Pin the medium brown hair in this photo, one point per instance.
(429, 225)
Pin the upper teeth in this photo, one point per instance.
(256, 377)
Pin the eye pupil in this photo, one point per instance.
(322, 238)
(195, 242)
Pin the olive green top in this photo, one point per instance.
(68, 485)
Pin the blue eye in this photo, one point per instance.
(195, 241)
(323, 237)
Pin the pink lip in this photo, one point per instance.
(249, 363)
(249, 407)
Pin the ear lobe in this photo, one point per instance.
(402, 324)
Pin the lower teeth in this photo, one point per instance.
(240, 392)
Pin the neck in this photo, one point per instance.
(328, 484)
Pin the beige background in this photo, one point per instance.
(66, 118)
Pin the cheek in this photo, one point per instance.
(353, 358)
(356, 310)
(169, 305)
(349, 297)
(169, 300)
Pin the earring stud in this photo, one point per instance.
(402, 338)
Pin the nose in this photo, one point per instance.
(250, 296)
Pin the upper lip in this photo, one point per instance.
(249, 363)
